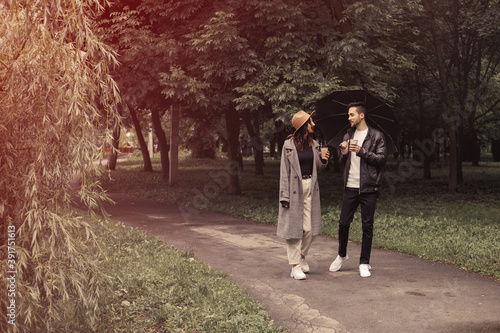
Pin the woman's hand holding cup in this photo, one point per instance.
(325, 153)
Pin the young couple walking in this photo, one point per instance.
(363, 155)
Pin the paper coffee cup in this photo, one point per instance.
(323, 152)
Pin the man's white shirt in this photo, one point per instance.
(354, 170)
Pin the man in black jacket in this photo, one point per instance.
(363, 155)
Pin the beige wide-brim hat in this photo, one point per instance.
(300, 118)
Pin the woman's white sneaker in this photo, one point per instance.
(304, 265)
(297, 273)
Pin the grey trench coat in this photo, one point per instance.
(290, 219)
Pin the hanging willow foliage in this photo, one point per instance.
(57, 104)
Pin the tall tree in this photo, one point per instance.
(140, 138)
(465, 37)
(142, 54)
(56, 98)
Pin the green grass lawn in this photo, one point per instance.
(415, 216)
(152, 287)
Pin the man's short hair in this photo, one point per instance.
(360, 106)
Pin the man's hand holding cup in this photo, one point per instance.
(344, 147)
(353, 146)
(350, 145)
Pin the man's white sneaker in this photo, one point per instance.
(297, 273)
(304, 265)
(337, 263)
(364, 270)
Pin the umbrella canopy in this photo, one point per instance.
(332, 119)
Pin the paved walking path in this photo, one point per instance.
(404, 293)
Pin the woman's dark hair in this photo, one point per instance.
(302, 138)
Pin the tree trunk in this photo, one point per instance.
(421, 129)
(257, 146)
(461, 154)
(113, 150)
(337, 11)
(162, 142)
(174, 147)
(239, 154)
(233, 133)
(272, 147)
(476, 150)
(450, 116)
(495, 150)
(201, 145)
(148, 167)
(470, 150)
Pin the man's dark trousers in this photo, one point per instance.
(367, 201)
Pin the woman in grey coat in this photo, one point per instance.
(299, 217)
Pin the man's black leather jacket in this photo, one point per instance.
(373, 155)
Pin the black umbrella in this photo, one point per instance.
(332, 120)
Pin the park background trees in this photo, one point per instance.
(229, 60)
(251, 63)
